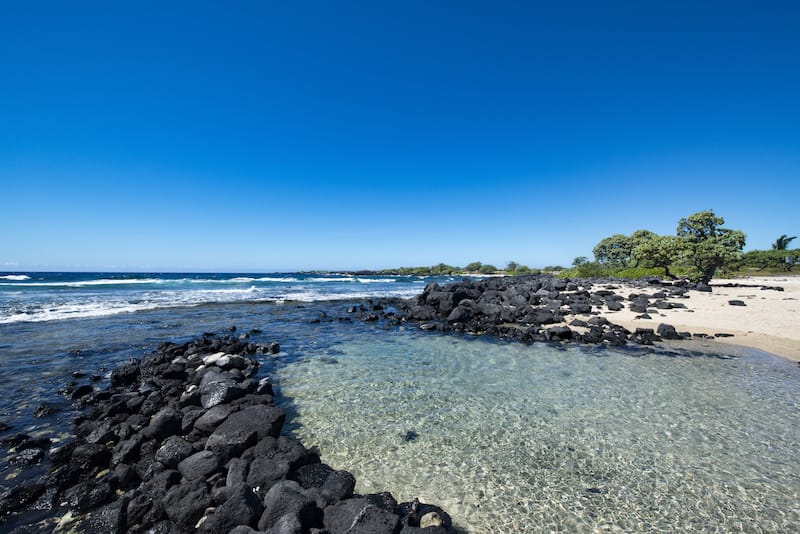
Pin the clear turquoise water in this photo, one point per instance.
(516, 438)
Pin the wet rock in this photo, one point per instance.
(90, 456)
(44, 409)
(18, 497)
(28, 456)
(431, 519)
(61, 454)
(736, 303)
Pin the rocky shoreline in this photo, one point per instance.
(187, 439)
(544, 308)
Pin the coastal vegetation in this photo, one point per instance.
(700, 249)
(473, 268)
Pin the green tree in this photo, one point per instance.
(641, 236)
(614, 251)
(782, 243)
(512, 266)
(580, 260)
(706, 245)
(659, 251)
(473, 267)
(488, 269)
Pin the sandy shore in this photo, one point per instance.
(769, 321)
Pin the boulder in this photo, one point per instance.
(243, 429)
(242, 507)
(186, 503)
(199, 465)
(287, 497)
(666, 331)
(173, 450)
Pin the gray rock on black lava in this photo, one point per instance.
(287, 497)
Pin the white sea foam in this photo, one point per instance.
(77, 310)
(89, 283)
(375, 280)
(24, 306)
(15, 277)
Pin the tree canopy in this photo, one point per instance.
(708, 246)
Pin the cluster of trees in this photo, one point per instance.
(476, 267)
(778, 258)
(700, 247)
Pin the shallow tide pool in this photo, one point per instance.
(514, 438)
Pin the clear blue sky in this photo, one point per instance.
(260, 136)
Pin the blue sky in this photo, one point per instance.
(261, 136)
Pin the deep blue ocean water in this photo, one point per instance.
(511, 438)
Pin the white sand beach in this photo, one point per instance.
(769, 321)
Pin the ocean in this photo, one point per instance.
(506, 437)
